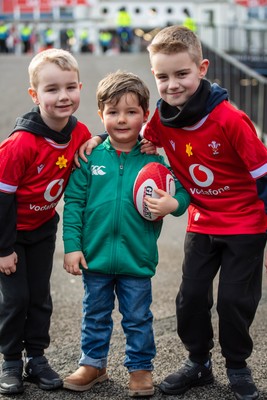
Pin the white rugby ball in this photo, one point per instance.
(151, 176)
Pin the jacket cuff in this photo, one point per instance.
(6, 252)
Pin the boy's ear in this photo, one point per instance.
(99, 112)
(146, 116)
(203, 69)
(152, 70)
(32, 92)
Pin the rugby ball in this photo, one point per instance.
(151, 176)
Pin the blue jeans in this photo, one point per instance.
(134, 298)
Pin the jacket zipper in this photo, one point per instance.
(117, 216)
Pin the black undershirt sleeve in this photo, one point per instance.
(262, 190)
(8, 220)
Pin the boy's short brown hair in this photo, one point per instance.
(62, 58)
(176, 39)
(111, 88)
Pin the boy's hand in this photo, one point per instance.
(72, 262)
(148, 147)
(86, 148)
(265, 260)
(8, 264)
(162, 206)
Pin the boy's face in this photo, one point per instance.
(58, 95)
(123, 121)
(177, 76)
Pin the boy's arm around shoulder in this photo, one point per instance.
(86, 149)
(150, 131)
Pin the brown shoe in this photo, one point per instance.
(84, 378)
(141, 384)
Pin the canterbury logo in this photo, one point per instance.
(98, 170)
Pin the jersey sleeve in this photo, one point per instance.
(151, 129)
(248, 146)
(17, 154)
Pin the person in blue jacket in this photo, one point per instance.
(110, 243)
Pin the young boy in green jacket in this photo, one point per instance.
(111, 243)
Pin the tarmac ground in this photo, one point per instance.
(67, 290)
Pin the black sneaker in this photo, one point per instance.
(242, 384)
(190, 375)
(11, 378)
(37, 370)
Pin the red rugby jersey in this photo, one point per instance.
(37, 170)
(217, 161)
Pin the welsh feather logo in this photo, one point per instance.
(215, 147)
(98, 170)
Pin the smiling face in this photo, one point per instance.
(57, 94)
(123, 121)
(177, 76)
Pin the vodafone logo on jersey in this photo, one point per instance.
(54, 190)
(202, 176)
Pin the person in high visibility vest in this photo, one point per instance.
(123, 18)
(4, 32)
(25, 36)
(124, 30)
(105, 40)
(49, 37)
(84, 41)
(70, 36)
(189, 22)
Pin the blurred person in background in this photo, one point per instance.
(25, 37)
(189, 22)
(4, 33)
(124, 30)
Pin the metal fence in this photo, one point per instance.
(243, 39)
(247, 89)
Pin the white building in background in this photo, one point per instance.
(222, 24)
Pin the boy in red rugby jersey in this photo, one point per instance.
(215, 153)
(35, 163)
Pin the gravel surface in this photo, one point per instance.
(67, 291)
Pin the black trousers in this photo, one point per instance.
(25, 300)
(239, 261)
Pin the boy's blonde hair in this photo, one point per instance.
(176, 39)
(62, 58)
(111, 88)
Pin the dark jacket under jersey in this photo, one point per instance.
(28, 127)
(205, 112)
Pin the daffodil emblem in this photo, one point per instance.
(62, 162)
(189, 150)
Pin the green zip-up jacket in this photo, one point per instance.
(100, 218)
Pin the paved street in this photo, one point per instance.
(67, 290)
